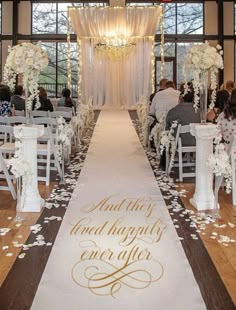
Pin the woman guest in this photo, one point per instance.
(17, 100)
(5, 101)
(45, 103)
(222, 96)
(227, 119)
(66, 100)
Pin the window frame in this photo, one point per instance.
(169, 38)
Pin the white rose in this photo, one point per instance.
(208, 62)
(29, 61)
(30, 53)
(218, 47)
(195, 60)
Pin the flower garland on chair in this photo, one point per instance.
(200, 59)
(63, 139)
(219, 162)
(27, 59)
(168, 144)
(20, 168)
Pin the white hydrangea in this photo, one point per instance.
(219, 162)
(27, 59)
(199, 59)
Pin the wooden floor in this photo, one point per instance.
(224, 257)
(19, 230)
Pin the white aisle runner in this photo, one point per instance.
(117, 247)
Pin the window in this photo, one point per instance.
(184, 24)
(44, 18)
(190, 18)
(54, 77)
(51, 17)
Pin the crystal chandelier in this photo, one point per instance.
(114, 47)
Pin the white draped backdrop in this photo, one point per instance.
(116, 82)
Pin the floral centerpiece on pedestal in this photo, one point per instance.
(203, 62)
(27, 59)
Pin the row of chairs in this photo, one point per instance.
(185, 156)
(65, 114)
(38, 113)
(46, 145)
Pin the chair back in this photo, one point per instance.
(39, 113)
(4, 120)
(47, 121)
(180, 130)
(15, 120)
(6, 132)
(184, 129)
(66, 109)
(19, 113)
(65, 114)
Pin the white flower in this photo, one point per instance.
(220, 162)
(195, 59)
(200, 59)
(26, 59)
(29, 61)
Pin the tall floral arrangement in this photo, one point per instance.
(201, 59)
(28, 60)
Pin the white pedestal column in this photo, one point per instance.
(203, 198)
(28, 134)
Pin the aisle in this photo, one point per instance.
(117, 246)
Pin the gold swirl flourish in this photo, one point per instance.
(105, 279)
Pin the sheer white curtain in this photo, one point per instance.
(116, 82)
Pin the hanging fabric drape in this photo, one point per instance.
(102, 21)
(115, 81)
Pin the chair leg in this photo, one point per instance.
(7, 176)
(180, 166)
(48, 163)
(233, 180)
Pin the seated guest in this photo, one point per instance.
(17, 99)
(161, 87)
(184, 114)
(5, 101)
(222, 97)
(45, 103)
(164, 100)
(227, 119)
(152, 118)
(66, 100)
(229, 85)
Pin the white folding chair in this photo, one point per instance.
(184, 152)
(8, 145)
(39, 113)
(66, 109)
(6, 175)
(67, 115)
(3, 120)
(16, 120)
(46, 148)
(232, 154)
(19, 113)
